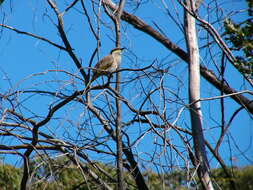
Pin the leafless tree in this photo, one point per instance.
(138, 121)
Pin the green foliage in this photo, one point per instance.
(241, 37)
(56, 174)
(62, 174)
(65, 178)
(170, 181)
(242, 178)
(10, 177)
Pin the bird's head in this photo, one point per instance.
(117, 50)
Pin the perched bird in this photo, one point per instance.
(108, 64)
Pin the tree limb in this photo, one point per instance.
(205, 72)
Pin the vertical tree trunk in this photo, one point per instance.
(120, 174)
(194, 96)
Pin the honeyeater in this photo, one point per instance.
(108, 64)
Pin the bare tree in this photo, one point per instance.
(137, 121)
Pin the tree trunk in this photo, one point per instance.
(194, 96)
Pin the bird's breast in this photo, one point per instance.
(115, 65)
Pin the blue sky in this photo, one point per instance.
(22, 57)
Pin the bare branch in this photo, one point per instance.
(65, 40)
(205, 72)
(34, 36)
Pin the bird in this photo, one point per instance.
(108, 64)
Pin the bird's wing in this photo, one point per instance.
(102, 66)
(104, 63)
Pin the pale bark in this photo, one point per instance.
(194, 95)
(121, 184)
